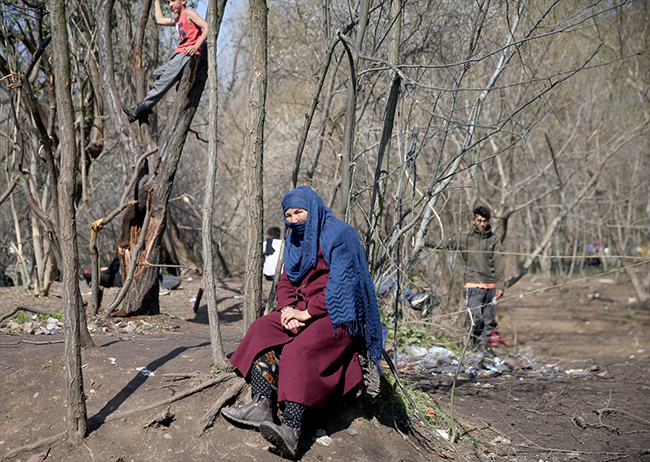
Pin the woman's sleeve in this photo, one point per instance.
(316, 306)
(285, 293)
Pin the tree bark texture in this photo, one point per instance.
(215, 16)
(254, 163)
(76, 400)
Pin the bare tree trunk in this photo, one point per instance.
(76, 400)
(351, 114)
(254, 163)
(215, 16)
(383, 156)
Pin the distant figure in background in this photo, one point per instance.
(484, 273)
(109, 277)
(271, 252)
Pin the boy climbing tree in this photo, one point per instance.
(192, 33)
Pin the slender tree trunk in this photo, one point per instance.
(383, 157)
(76, 401)
(215, 15)
(351, 114)
(254, 163)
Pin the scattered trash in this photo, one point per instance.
(192, 300)
(113, 360)
(576, 372)
(144, 371)
(325, 440)
(442, 433)
(416, 351)
(500, 440)
(441, 361)
(483, 385)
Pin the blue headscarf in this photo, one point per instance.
(350, 293)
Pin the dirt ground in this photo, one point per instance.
(600, 414)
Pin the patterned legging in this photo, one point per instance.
(264, 380)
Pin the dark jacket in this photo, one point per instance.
(483, 261)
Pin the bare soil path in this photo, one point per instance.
(602, 415)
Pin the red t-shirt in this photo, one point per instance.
(188, 33)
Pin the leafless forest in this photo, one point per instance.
(403, 115)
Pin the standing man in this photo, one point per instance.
(483, 271)
(271, 251)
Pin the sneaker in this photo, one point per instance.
(252, 414)
(284, 438)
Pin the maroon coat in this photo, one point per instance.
(315, 361)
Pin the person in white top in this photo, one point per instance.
(271, 252)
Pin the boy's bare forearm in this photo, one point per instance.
(202, 38)
(161, 20)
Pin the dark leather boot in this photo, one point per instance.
(252, 414)
(283, 437)
(135, 112)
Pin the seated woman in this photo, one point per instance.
(305, 350)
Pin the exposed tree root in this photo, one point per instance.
(55, 438)
(37, 444)
(208, 419)
(191, 391)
